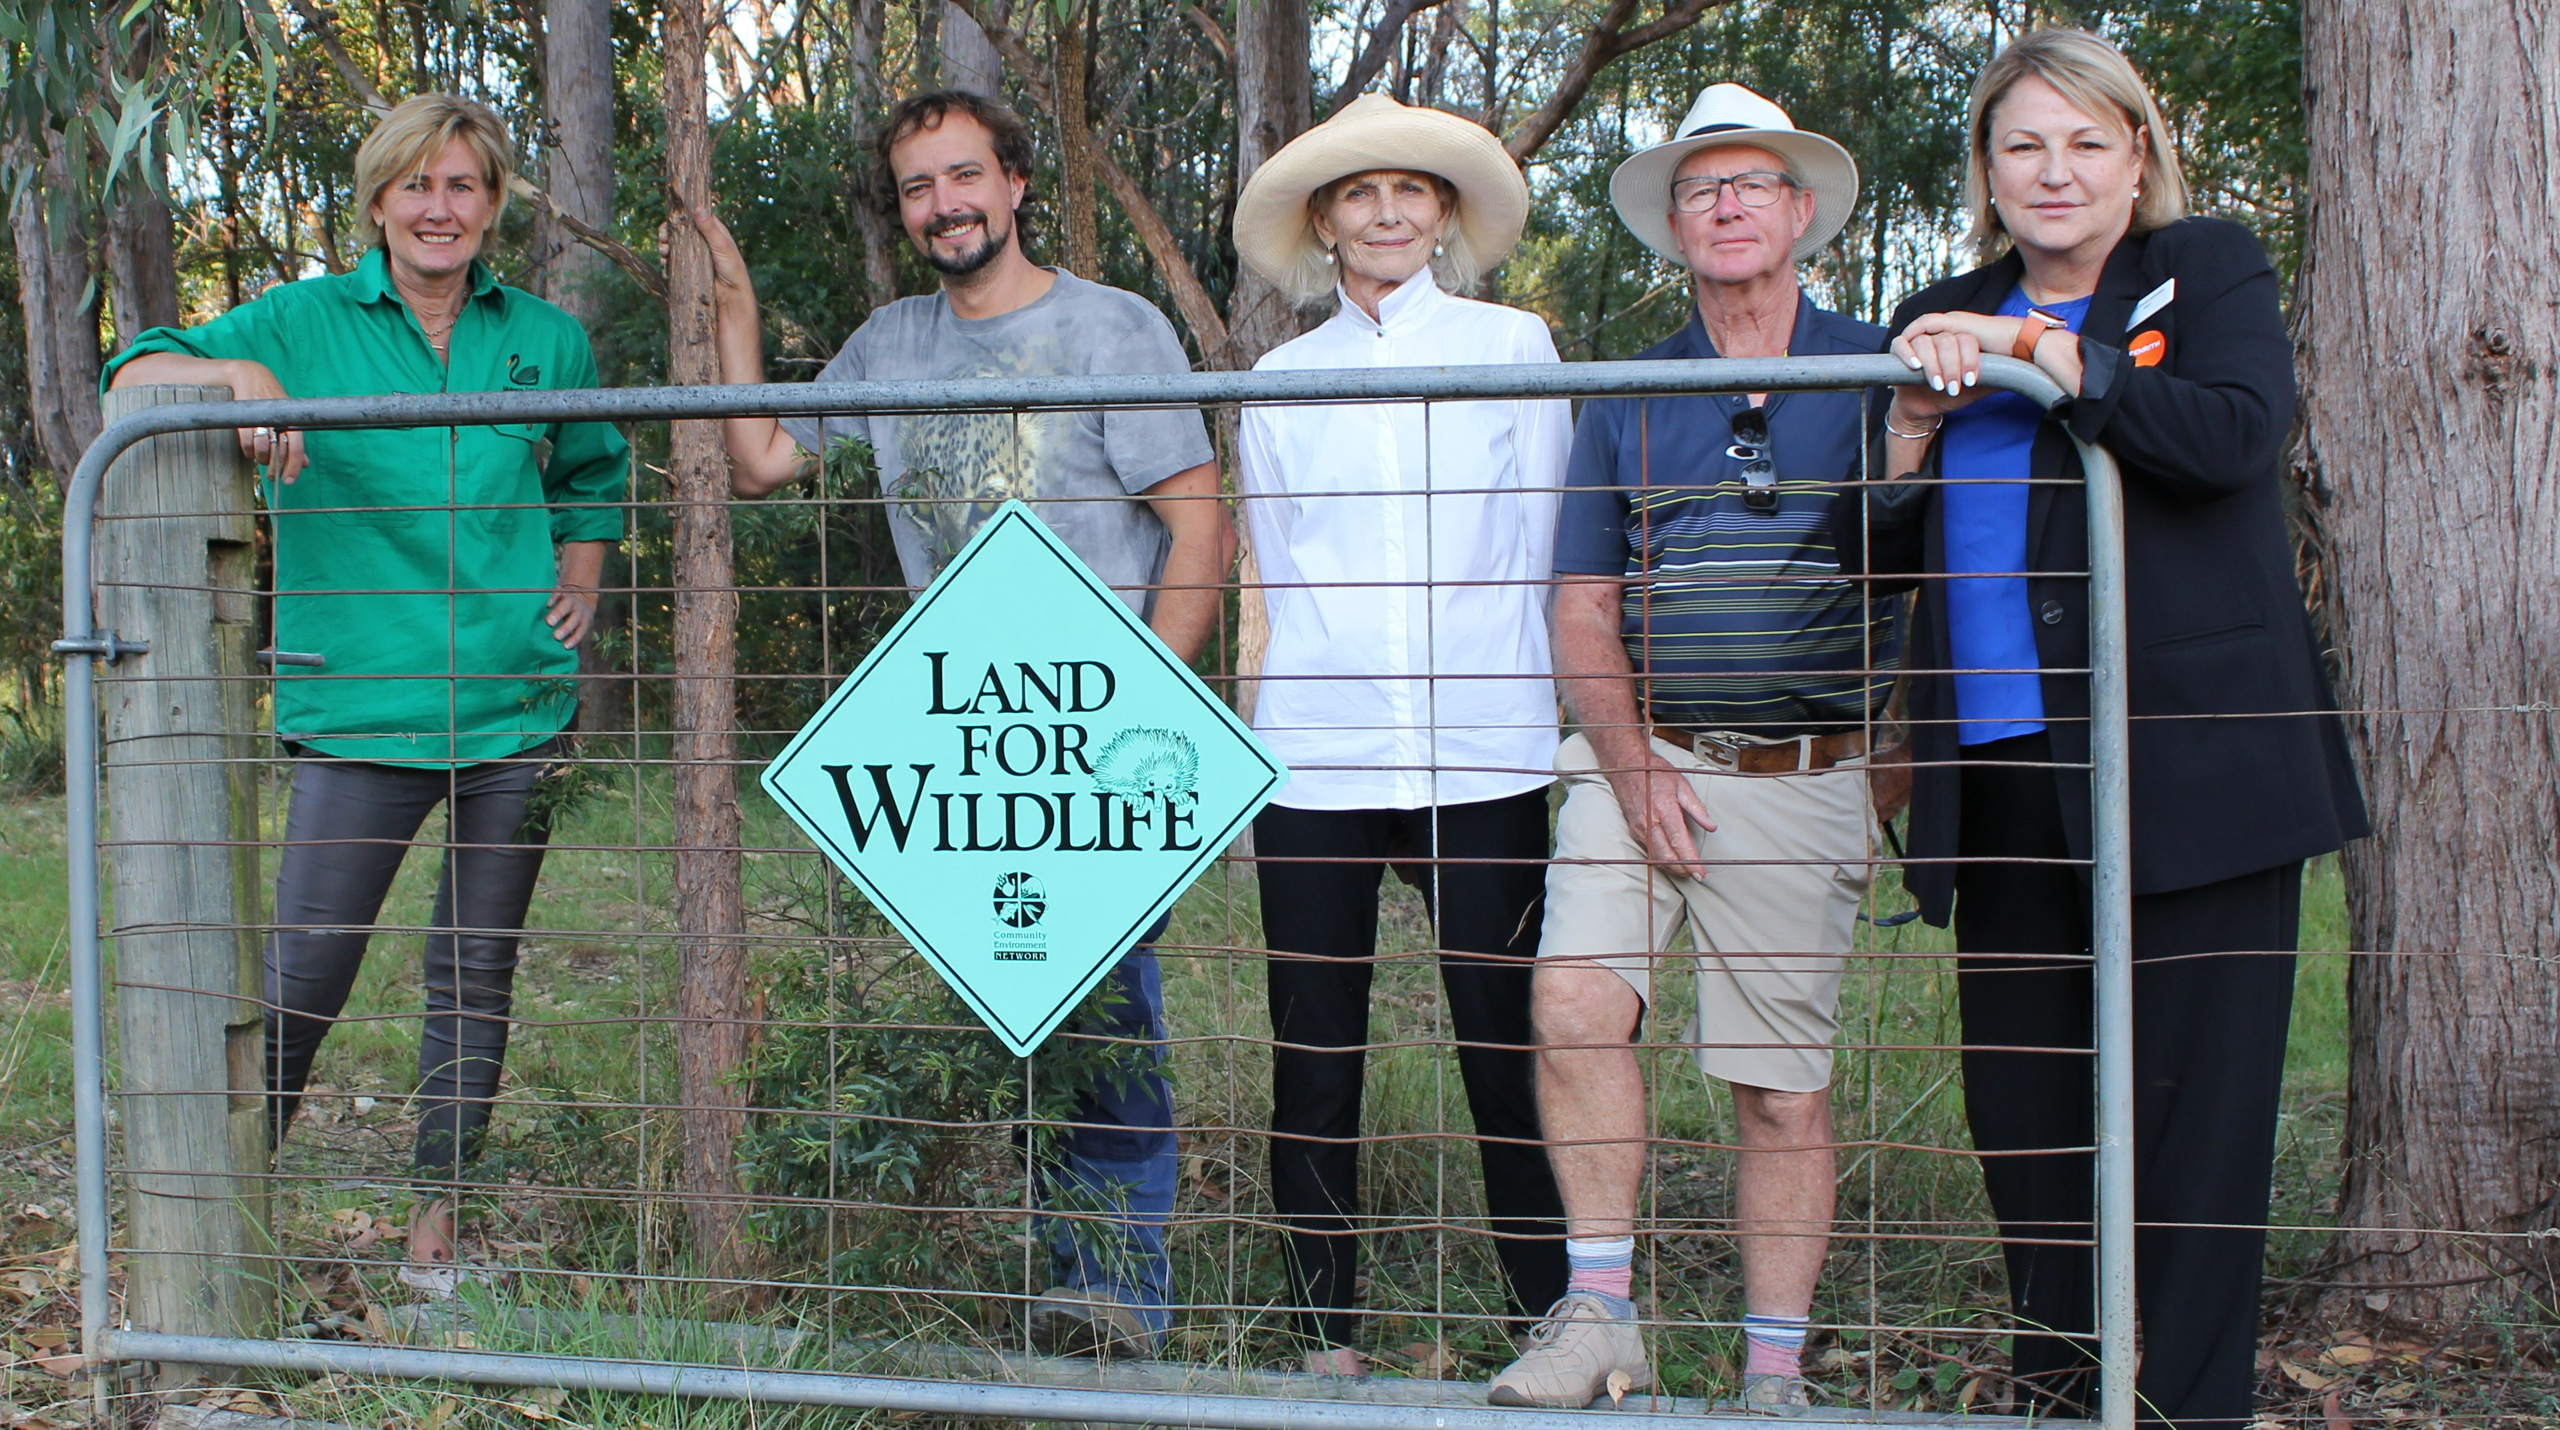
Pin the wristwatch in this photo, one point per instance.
(2031, 330)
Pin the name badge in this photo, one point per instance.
(2152, 302)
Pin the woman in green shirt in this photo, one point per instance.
(446, 577)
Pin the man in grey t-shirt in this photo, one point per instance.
(1134, 493)
(951, 470)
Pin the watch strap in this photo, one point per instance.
(2031, 330)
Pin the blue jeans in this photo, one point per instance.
(1117, 1157)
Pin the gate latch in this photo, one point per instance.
(109, 647)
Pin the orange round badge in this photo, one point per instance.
(2148, 348)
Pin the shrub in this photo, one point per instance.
(903, 1124)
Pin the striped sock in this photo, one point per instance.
(1605, 1265)
(1775, 1344)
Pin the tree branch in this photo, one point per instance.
(1609, 40)
(1214, 32)
(642, 271)
(1375, 51)
(326, 32)
(1190, 298)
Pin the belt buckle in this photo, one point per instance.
(1708, 745)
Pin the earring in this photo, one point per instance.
(1328, 258)
(1437, 250)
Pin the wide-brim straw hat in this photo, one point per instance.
(1375, 132)
(1731, 114)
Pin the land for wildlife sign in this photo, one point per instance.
(1022, 777)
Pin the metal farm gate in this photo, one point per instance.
(188, 759)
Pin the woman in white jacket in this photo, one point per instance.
(1405, 552)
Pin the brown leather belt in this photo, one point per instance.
(1804, 752)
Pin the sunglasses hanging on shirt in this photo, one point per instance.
(1751, 448)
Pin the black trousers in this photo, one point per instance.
(347, 829)
(1321, 919)
(2212, 999)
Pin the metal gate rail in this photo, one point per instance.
(83, 645)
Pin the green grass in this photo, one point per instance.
(35, 1009)
(593, 1216)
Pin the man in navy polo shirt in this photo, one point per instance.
(1724, 680)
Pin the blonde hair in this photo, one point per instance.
(1310, 280)
(414, 133)
(2095, 78)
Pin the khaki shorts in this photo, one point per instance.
(1771, 922)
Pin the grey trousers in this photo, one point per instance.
(347, 829)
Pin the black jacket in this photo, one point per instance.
(2215, 618)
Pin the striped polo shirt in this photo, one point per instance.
(1737, 619)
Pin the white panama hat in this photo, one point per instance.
(1731, 114)
(1375, 132)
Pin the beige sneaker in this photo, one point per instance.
(1571, 1356)
(1787, 1397)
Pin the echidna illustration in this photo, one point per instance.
(1146, 764)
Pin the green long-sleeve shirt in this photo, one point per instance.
(419, 562)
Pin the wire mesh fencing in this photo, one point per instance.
(902, 1192)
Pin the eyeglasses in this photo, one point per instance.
(1751, 448)
(1753, 188)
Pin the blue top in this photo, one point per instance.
(1985, 455)
(1737, 619)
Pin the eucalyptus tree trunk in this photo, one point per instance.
(869, 34)
(1275, 102)
(141, 246)
(1075, 157)
(58, 294)
(142, 263)
(966, 57)
(578, 172)
(711, 992)
(577, 107)
(2430, 349)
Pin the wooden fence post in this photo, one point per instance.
(175, 557)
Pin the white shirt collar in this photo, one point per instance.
(1410, 303)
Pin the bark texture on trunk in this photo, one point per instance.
(142, 264)
(869, 33)
(578, 173)
(711, 997)
(60, 303)
(967, 57)
(1275, 102)
(1075, 149)
(2431, 342)
(577, 102)
(141, 246)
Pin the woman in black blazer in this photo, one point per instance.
(2167, 331)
